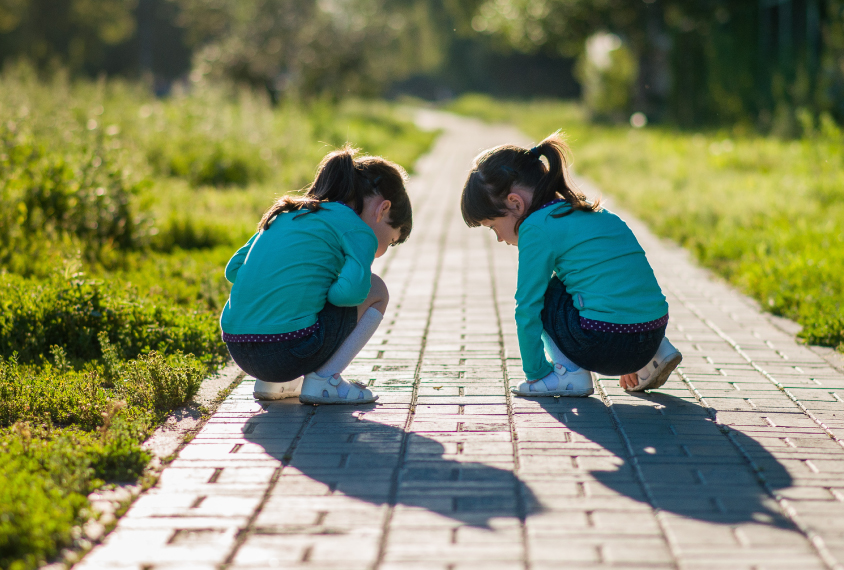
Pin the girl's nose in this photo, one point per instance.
(500, 239)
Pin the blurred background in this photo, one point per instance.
(688, 62)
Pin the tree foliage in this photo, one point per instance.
(311, 46)
(75, 33)
(703, 61)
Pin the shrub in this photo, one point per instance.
(67, 183)
(187, 232)
(158, 383)
(151, 385)
(71, 312)
(46, 472)
(45, 477)
(83, 192)
(43, 487)
(191, 279)
(607, 71)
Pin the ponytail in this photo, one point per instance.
(344, 177)
(497, 170)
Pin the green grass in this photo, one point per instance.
(118, 213)
(765, 213)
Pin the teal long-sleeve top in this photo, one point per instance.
(599, 261)
(282, 277)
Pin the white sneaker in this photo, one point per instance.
(577, 383)
(319, 390)
(657, 371)
(276, 390)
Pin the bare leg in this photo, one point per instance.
(370, 313)
(377, 299)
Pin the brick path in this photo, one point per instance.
(736, 464)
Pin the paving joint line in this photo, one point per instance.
(417, 373)
(521, 508)
(248, 530)
(637, 470)
(789, 511)
(735, 346)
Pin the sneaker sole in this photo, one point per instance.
(320, 400)
(660, 375)
(271, 396)
(555, 393)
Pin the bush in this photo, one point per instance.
(71, 312)
(185, 231)
(161, 384)
(45, 477)
(191, 279)
(107, 410)
(607, 72)
(68, 183)
(83, 193)
(150, 386)
(43, 487)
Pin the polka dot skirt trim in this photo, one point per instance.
(301, 333)
(590, 325)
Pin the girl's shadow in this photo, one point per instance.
(379, 463)
(682, 462)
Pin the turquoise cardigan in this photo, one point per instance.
(282, 277)
(599, 261)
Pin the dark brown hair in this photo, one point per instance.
(344, 177)
(495, 171)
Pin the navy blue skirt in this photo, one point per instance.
(286, 360)
(607, 353)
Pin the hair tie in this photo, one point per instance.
(535, 151)
(376, 181)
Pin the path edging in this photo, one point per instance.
(164, 444)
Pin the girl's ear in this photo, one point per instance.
(382, 210)
(516, 203)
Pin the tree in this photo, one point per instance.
(308, 46)
(701, 61)
(75, 33)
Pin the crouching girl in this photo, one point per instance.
(304, 301)
(585, 294)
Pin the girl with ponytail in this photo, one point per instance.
(304, 300)
(602, 310)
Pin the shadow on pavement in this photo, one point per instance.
(363, 459)
(689, 465)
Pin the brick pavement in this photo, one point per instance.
(736, 463)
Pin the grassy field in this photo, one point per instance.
(765, 213)
(118, 212)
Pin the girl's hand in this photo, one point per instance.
(628, 381)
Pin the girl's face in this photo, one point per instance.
(376, 215)
(504, 228)
(387, 235)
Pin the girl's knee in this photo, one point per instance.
(379, 296)
(379, 287)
